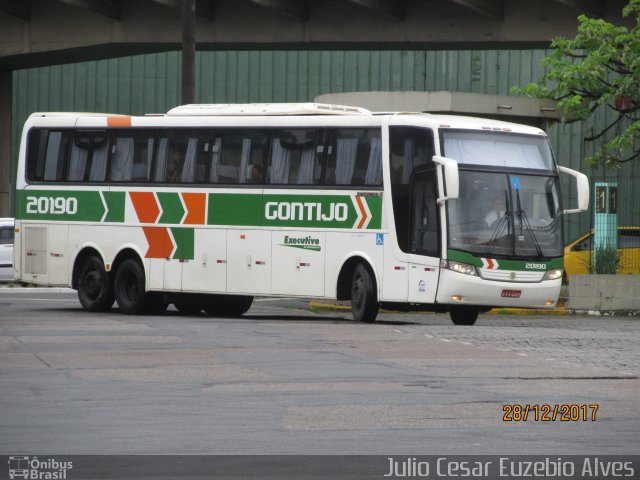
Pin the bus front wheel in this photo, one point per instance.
(464, 315)
(364, 299)
(129, 288)
(95, 291)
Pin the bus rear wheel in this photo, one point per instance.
(129, 288)
(364, 298)
(464, 315)
(95, 291)
(227, 306)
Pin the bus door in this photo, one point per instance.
(424, 238)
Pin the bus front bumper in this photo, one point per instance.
(459, 289)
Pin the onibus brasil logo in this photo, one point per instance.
(36, 469)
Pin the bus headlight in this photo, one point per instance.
(553, 274)
(462, 268)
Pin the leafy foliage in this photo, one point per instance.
(600, 67)
(606, 260)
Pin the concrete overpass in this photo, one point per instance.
(39, 32)
(48, 32)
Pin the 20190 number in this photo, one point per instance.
(52, 205)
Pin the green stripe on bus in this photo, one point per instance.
(115, 206)
(185, 241)
(293, 210)
(172, 209)
(476, 261)
(234, 209)
(342, 211)
(58, 205)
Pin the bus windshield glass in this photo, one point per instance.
(506, 214)
(498, 149)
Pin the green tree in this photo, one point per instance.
(599, 68)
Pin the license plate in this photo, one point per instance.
(511, 293)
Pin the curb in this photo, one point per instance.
(4, 290)
(314, 305)
(332, 307)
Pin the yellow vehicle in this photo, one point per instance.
(577, 254)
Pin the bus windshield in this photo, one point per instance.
(506, 214)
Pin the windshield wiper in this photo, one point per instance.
(505, 221)
(524, 221)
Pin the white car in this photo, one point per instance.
(6, 249)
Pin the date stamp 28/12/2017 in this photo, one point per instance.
(550, 413)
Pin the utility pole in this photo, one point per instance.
(188, 51)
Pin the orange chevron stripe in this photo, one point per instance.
(196, 204)
(146, 206)
(489, 263)
(159, 240)
(362, 211)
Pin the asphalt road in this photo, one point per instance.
(284, 380)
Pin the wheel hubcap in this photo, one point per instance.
(91, 284)
(131, 287)
(357, 293)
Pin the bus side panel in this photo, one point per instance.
(395, 277)
(298, 263)
(342, 246)
(249, 261)
(59, 262)
(207, 271)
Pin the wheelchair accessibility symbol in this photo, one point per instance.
(379, 238)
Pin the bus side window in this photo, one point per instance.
(131, 155)
(88, 158)
(193, 167)
(238, 157)
(46, 155)
(354, 157)
(295, 157)
(36, 153)
(170, 157)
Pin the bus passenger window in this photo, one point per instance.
(295, 157)
(131, 156)
(170, 157)
(45, 155)
(194, 163)
(354, 158)
(88, 158)
(238, 157)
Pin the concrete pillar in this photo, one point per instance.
(6, 172)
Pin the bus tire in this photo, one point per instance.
(235, 306)
(464, 315)
(129, 287)
(364, 298)
(95, 290)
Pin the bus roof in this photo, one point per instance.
(262, 109)
(284, 110)
(481, 123)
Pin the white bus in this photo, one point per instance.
(208, 206)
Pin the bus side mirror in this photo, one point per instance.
(451, 180)
(582, 184)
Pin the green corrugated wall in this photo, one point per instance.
(151, 84)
